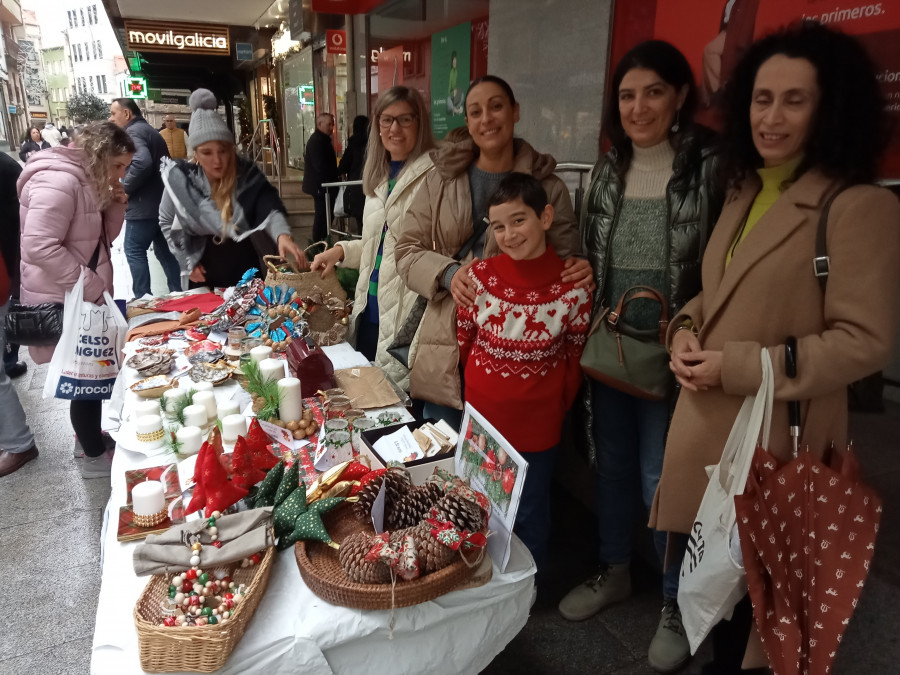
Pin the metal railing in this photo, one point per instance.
(329, 218)
(581, 169)
(265, 139)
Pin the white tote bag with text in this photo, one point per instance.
(712, 574)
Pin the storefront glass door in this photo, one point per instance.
(299, 105)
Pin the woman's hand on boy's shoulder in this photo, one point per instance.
(578, 271)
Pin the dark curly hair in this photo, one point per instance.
(849, 130)
(666, 61)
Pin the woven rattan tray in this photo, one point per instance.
(321, 570)
(200, 649)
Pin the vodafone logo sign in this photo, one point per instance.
(336, 41)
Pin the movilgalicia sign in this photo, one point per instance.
(177, 38)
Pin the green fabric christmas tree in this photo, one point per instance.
(286, 513)
(265, 496)
(289, 482)
(309, 526)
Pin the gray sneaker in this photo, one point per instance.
(612, 584)
(669, 649)
(96, 467)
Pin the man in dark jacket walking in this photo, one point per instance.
(144, 187)
(9, 247)
(320, 166)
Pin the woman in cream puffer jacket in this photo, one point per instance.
(397, 160)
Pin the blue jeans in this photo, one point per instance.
(630, 435)
(139, 234)
(533, 517)
(15, 436)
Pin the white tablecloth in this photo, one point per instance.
(294, 631)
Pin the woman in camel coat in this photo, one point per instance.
(800, 143)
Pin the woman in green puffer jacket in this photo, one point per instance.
(646, 219)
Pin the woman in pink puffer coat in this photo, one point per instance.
(72, 207)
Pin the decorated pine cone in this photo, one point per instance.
(353, 560)
(432, 554)
(397, 484)
(410, 508)
(463, 513)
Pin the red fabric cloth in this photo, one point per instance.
(520, 344)
(205, 302)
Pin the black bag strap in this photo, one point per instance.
(95, 259)
(822, 262)
(470, 242)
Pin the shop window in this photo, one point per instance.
(103, 80)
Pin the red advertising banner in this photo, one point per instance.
(712, 34)
(336, 41)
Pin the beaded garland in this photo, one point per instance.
(198, 599)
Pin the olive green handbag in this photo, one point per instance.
(633, 361)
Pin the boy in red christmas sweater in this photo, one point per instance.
(521, 341)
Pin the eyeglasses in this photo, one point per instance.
(387, 121)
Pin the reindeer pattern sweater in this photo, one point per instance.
(520, 344)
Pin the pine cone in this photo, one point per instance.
(363, 508)
(464, 514)
(398, 483)
(432, 554)
(353, 559)
(411, 507)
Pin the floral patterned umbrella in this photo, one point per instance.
(807, 531)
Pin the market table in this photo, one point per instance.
(293, 630)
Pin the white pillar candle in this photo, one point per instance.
(149, 431)
(229, 407)
(146, 408)
(272, 369)
(148, 498)
(195, 416)
(173, 398)
(260, 353)
(232, 427)
(191, 438)
(291, 407)
(201, 386)
(208, 400)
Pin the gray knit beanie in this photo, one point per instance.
(206, 125)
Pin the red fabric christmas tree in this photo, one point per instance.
(213, 491)
(244, 474)
(259, 442)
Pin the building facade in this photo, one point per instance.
(57, 73)
(28, 36)
(12, 100)
(92, 50)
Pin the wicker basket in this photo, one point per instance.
(200, 649)
(321, 570)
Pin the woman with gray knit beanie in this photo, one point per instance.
(219, 213)
(646, 218)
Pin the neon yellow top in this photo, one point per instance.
(774, 180)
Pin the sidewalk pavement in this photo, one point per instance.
(50, 520)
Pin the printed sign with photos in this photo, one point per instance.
(493, 467)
